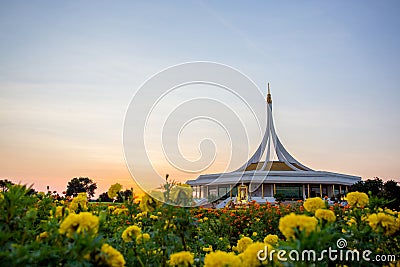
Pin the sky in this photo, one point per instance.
(69, 69)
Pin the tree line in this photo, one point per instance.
(389, 191)
(74, 187)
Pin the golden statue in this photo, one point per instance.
(243, 194)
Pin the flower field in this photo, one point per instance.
(37, 230)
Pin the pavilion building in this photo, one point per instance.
(272, 170)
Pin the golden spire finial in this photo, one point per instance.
(269, 99)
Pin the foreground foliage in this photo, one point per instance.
(38, 230)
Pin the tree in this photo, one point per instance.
(81, 185)
(370, 186)
(121, 196)
(124, 195)
(391, 192)
(104, 198)
(4, 184)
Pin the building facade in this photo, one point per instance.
(264, 177)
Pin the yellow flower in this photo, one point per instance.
(243, 243)
(140, 215)
(148, 203)
(393, 264)
(119, 211)
(157, 195)
(392, 212)
(79, 202)
(154, 217)
(82, 223)
(357, 199)
(312, 204)
(181, 194)
(249, 256)
(142, 238)
(113, 190)
(42, 236)
(169, 225)
(324, 214)
(111, 208)
(183, 258)
(131, 231)
(351, 222)
(383, 221)
(60, 212)
(254, 233)
(271, 239)
(111, 256)
(289, 223)
(208, 249)
(221, 259)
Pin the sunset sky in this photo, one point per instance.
(69, 69)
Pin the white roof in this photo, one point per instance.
(257, 177)
(270, 146)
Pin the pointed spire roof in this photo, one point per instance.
(269, 98)
(262, 169)
(262, 159)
